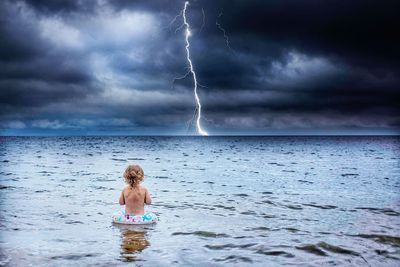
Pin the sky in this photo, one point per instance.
(102, 67)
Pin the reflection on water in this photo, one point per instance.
(134, 241)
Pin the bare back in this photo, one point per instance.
(134, 199)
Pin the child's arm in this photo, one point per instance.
(122, 198)
(147, 197)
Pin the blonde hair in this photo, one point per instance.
(133, 175)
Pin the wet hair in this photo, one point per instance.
(133, 175)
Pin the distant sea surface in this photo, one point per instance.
(240, 201)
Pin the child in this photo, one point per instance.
(134, 196)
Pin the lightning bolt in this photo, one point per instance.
(173, 21)
(226, 37)
(191, 70)
(204, 20)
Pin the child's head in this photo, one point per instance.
(133, 175)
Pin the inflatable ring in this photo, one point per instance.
(123, 218)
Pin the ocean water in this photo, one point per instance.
(260, 201)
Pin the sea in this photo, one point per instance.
(221, 201)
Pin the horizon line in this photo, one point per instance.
(212, 135)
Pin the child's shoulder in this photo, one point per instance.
(143, 188)
(126, 188)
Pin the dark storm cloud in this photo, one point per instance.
(33, 72)
(351, 44)
(15, 33)
(83, 65)
(357, 30)
(62, 6)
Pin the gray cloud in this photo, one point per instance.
(81, 66)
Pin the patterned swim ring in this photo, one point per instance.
(122, 218)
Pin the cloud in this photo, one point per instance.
(124, 27)
(13, 124)
(86, 65)
(61, 34)
(47, 124)
(300, 69)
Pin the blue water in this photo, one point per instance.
(221, 201)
